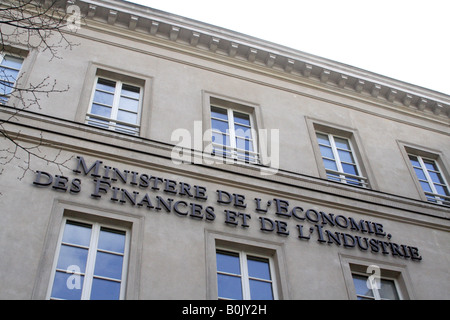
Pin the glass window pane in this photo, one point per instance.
(229, 287)
(72, 256)
(111, 240)
(246, 156)
(355, 182)
(221, 152)
(323, 139)
(67, 286)
(326, 152)
(129, 104)
(5, 89)
(106, 85)
(130, 91)
(420, 174)
(342, 143)
(126, 129)
(436, 177)
(425, 186)
(103, 98)
(258, 268)
(346, 156)
(241, 118)
(244, 144)
(414, 161)
(12, 62)
(349, 168)
(108, 265)
(388, 290)
(101, 110)
(77, 233)
(329, 164)
(98, 122)
(126, 116)
(260, 290)
(442, 190)
(219, 125)
(430, 165)
(364, 298)
(105, 290)
(8, 75)
(243, 132)
(221, 139)
(219, 113)
(361, 288)
(228, 262)
(333, 177)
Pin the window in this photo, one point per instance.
(367, 279)
(9, 71)
(232, 134)
(240, 268)
(243, 276)
(91, 262)
(339, 160)
(431, 179)
(385, 289)
(115, 105)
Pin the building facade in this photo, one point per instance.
(186, 161)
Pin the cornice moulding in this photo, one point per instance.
(246, 49)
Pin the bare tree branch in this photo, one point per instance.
(34, 151)
(34, 24)
(39, 25)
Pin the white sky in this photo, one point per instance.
(408, 40)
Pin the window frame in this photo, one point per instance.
(434, 194)
(407, 148)
(244, 275)
(4, 98)
(376, 292)
(92, 251)
(387, 270)
(232, 242)
(345, 178)
(235, 152)
(113, 124)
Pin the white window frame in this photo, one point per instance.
(434, 194)
(343, 176)
(235, 153)
(375, 291)
(244, 276)
(5, 97)
(373, 267)
(112, 120)
(92, 251)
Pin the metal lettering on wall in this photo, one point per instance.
(305, 223)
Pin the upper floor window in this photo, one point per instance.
(387, 289)
(233, 135)
(9, 71)
(115, 105)
(242, 276)
(91, 262)
(431, 179)
(339, 159)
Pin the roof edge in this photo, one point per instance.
(224, 42)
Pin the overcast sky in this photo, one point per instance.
(408, 40)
